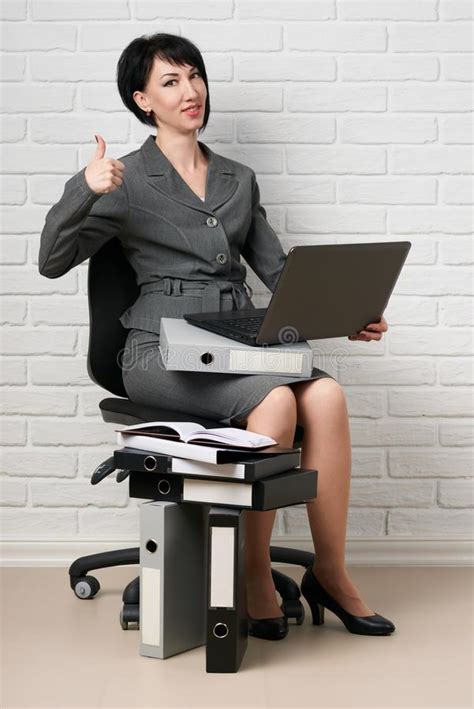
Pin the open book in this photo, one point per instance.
(189, 432)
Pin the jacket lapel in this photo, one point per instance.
(221, 182)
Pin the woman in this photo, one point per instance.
(184, 215)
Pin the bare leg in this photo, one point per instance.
(275, 416)
(322, 411)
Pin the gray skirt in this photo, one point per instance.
(225, 398)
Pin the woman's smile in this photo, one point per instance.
(193, 112)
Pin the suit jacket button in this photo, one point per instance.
(211, 221)
(221, 258)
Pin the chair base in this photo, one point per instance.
(86, 586)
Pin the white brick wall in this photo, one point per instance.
(356, 115)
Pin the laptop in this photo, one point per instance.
(328, 290)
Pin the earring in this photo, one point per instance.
(148, 111)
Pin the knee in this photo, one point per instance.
(282, 400)
(322, 394)
(328, 389)
(277, 411)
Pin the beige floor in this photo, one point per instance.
(59, 651)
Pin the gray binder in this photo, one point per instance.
(173, 541)
(185, 347)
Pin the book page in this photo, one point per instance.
(166, 429)
(232, 436)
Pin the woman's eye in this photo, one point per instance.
(196, 73)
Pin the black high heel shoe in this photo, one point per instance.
(318, 598)
(268, 628)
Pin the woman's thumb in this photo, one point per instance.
(100, 150)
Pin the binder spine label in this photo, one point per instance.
(150, 622)
(219, 493)
(280, 362)
(222, 567)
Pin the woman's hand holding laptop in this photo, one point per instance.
(373, 331)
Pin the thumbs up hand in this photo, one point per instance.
(103, 174)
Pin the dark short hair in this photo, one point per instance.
(136, 62)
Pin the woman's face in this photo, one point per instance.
(170, 91)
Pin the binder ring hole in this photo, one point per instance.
(151, 546)
(164, 487)
(149, 462)
(207, 358)
(220, 630)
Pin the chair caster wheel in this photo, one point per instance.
(123, 624)
(86, 587)
(293, 608)
(130, 614)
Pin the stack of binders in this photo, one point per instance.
(192, 584)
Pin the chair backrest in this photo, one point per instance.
(112, 287)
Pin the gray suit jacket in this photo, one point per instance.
(185, 251)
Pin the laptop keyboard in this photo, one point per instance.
(250, 325)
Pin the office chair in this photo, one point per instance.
(112, 288)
